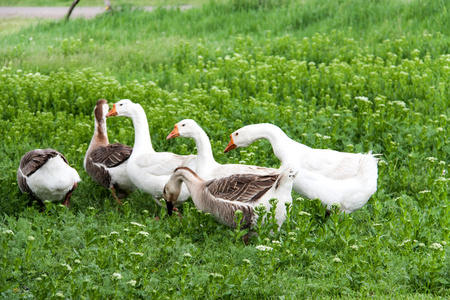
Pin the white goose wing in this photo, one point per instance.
(163, 163)
(332, 164)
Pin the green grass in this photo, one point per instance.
(380, 85)
(67, 3)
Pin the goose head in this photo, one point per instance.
(123, 108)
(101, 110)
(185, 128)
(240, 138)
(171, 192)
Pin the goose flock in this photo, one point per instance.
(333, 177)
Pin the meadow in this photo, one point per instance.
(332, 74)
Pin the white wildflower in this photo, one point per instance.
(137, 254)
(354, 247)
(8, 232)
(264, 248)
(400, 103)
(337, 260)
(120, 241)
(137, 224)
(363, 99)
(77, 261)
(276, 243)
(247, 261)
(116, 276)
(113, 233)
(60, 295)
(437, 246)
(431, 159)
(187, 254)
(421, 245)
(441, 179)
(31, 238)
(216, 275)
(132, 282)
(425, 192)
(143, 233)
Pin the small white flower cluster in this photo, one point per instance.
(137, 224)
(143, 233)
(431, 159)
(436, 246)
(337, 260)
(216, 275)
(276, 243)
(132, 282)
(137, 254)
(187, 255)
(263, 248)
(425, 192)
(363, 99)
(8, 232)
(116, 276)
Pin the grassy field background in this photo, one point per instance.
(100, 2)
(345, 75)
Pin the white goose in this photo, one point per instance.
(45, 174)
(221, 197)
(149, 170)
(207, 167)
(107, 163)
(333, 177)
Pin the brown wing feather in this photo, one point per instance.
(34, 159)
(247, 188)
(111, 155)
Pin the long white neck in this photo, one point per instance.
(277, 138)
(204, 151)
(142, 141)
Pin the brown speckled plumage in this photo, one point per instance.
(222, 197)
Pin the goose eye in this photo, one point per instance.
(121, 104)
(237, 133)
(183, 125)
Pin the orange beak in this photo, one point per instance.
(112, 112)
(174, 133)
(231, 145)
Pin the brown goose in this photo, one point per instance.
(107, 163)
(222, 197)
(45, 174)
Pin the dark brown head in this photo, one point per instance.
(100, 110)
